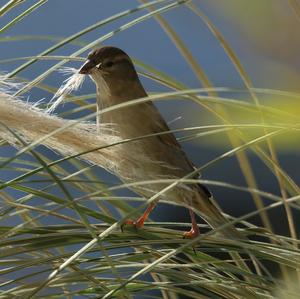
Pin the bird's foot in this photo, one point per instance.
(136, 224)
(140, 222)
(193, 233)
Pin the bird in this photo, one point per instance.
(161, 155)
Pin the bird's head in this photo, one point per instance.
(113, 73)
(110, 63)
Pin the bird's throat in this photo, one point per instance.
(118, 91)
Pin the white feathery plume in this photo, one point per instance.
(32, 124)
(72, 83)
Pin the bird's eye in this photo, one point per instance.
(108, 64)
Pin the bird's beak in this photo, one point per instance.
(87, 67)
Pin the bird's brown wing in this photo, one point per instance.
(158, 126)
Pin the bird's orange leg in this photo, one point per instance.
(140, 222)
(194, 232)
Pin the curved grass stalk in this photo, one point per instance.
(244, 76)
(9, 6)
(23, 15)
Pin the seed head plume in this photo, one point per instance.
(69, 85)
(67, 137)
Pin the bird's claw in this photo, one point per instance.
(191, 234)
(135, 224)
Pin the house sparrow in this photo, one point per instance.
(161, 156)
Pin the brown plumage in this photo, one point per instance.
(163, 158)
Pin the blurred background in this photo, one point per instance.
(263, 34)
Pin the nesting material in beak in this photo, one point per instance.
(72, 83)
(87, 67)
